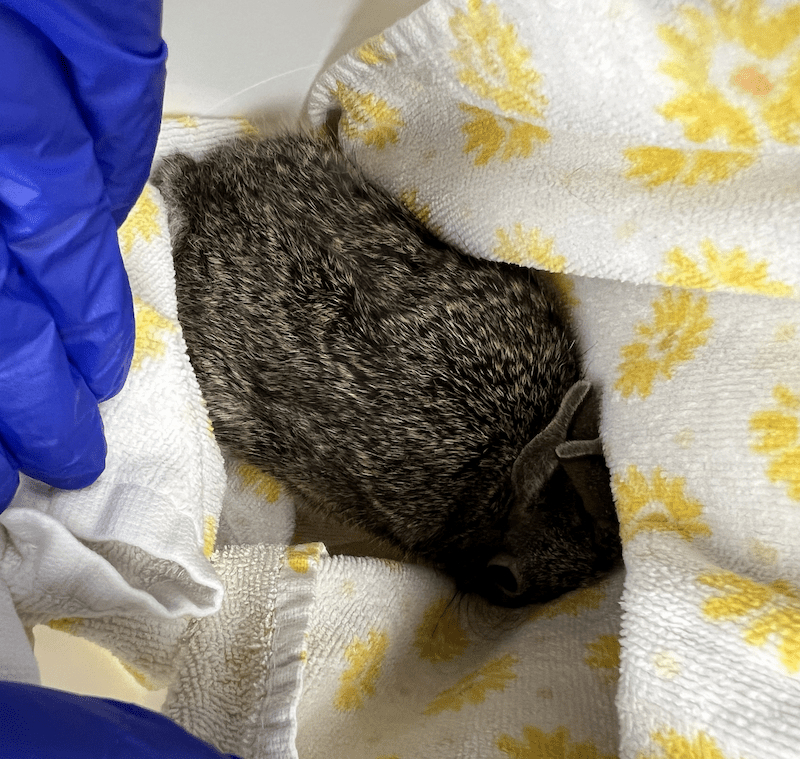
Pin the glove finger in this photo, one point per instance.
(38, 722)
(9, 479)
(49, 420)
(54, 211)
(117, 64)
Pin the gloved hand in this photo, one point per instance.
(42, 723)
(81, 90)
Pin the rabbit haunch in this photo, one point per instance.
(380, 374)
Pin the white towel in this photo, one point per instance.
(318, 656)
(652, 149)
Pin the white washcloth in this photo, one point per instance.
(653, 148)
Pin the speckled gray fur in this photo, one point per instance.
(378, 373)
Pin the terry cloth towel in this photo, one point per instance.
(651, 150)
(364, 658)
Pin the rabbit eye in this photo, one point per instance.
(502, 578)
(502, 574)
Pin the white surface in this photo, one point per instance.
(697, 381)
(77, 665)
(258, 58)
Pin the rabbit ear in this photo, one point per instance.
(586, 468)
(538, 460)
(582, 459)
(571, 441)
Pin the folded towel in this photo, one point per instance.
(320, 656)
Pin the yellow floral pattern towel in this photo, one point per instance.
(319, 656)
(647, 154)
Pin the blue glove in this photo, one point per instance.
(42, 723)
(80, 106)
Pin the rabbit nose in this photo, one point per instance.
(503, 575)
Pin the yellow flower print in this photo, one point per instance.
(603, 655)
(247, 128)
(209, 534)
(528, 247)
(140, 677)
(666, 665)
(572, 603)
(475, 688)
(69, 625)
(702, 108)
(657, 165)
(259, 482)
(783, 112)
(535, 743)
(778, 432)
(373, 52)
(679, 327)
(421, 210)
(656, 504)
(721, 271)
(676, 746)
(737, 71)
(142, 222)
(488, 134)
(149, 342)
(358, 681)
(299, 558)
(440, 636)
(765, 36)
(495, 67)
(772, 612)
(768, 37)
(367, 117)
(493, 64)
(190, 122)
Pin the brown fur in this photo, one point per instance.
(380, 374)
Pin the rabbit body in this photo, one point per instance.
(378, 373)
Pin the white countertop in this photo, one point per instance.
(248, 57)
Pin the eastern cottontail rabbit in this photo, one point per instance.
(425, 395)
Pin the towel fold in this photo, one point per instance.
(320, 656)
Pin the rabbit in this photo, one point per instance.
(386, 378)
